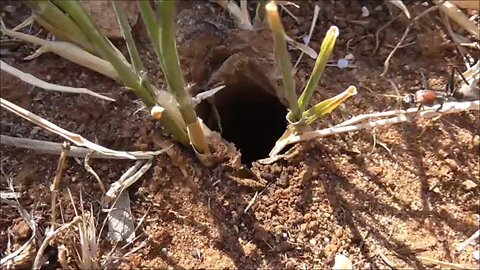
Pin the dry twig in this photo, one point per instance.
(51, 236)
(73, 137)
(75, 151)
(127, 179)
(32, 80)
(92, 172)
(387, 61)
(377, 34)
(446, 264)
(31, 223)
(54, 188)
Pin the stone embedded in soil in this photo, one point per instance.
(469, 185)
(284, 246)
(452, 164)
(476, 141)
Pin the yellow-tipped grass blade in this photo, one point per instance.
(328, 105)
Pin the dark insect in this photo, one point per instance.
(427, 97)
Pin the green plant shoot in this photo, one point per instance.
(320, 64)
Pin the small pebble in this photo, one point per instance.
(349, 57)
(10, 9)
(442, 153)
(476, 141)
(476, 255)
(469, 185)
(289, 265)
(365, 12)
(452, 164)
(342, 262)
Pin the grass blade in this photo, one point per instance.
(326, 106)
(75, 151)
(107, 50)
(32, 80)
(304, 48)
(151, 24)
(260, 14)
(127, 35)
(325, 52)
(240, 14)
(48, 15)
(66, 50)
(137, 83)
(399, 4)
(283, 59)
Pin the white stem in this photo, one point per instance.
(352, 124)
(451, 107)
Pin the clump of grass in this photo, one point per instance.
(69, 21)
(298, 107)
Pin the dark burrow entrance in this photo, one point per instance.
(250, 117)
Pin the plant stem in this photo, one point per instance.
(140, 87)
(151, 24)
(260, 13)
(322, 59)
(283, 58)
(174, 76)
(49, 16)
(127, 35)
(106, 50)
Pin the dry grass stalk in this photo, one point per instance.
(56, 149)
(89, 169)
(49, 237)
(66, 50)
(407, 30)
(458, 16)
(32, 80)
(55, 187)
(467, 242)
(127, 179)
(446, 264)
(16, 256)
(88, 243)
(467, 4)
(310, 32)
(72, 137)
(401, 6)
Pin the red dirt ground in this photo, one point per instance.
(386, 198)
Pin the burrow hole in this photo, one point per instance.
(250, 117)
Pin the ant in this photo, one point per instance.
(428, 97)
